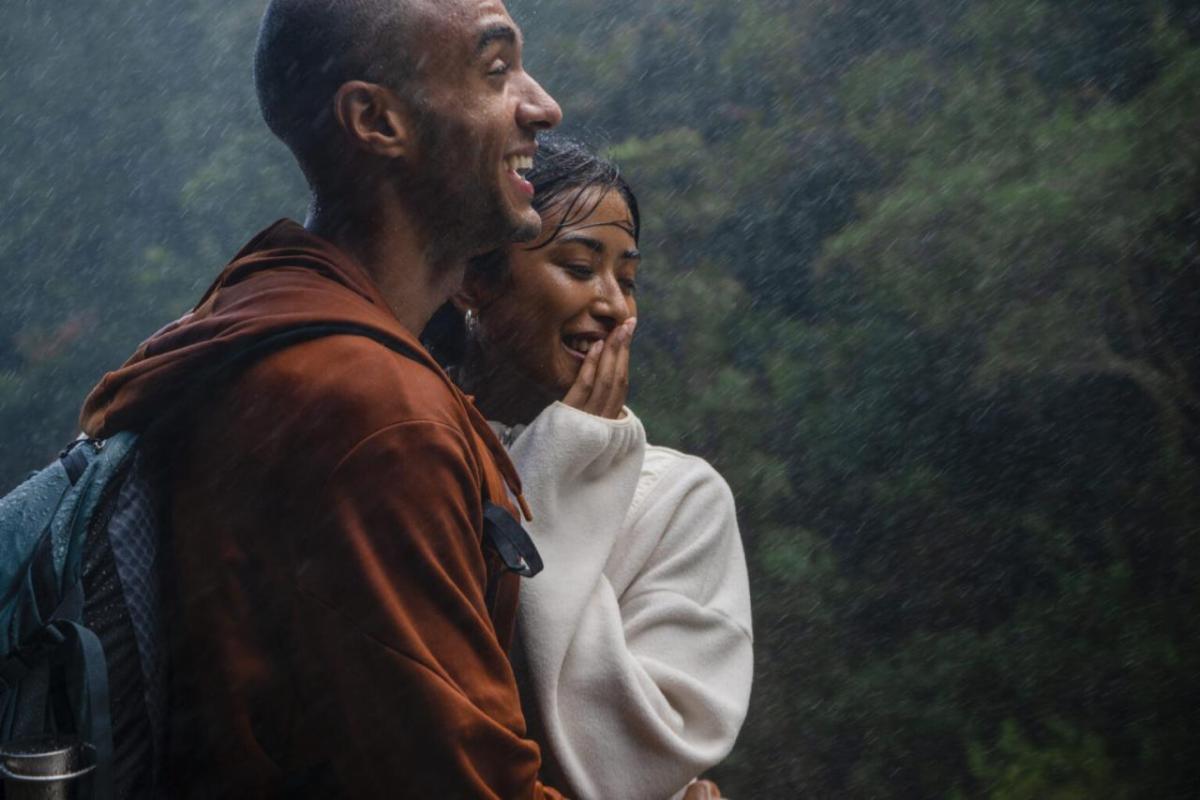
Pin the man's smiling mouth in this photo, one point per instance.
(519, 164)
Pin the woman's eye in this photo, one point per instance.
(499, 67)
(581, 271)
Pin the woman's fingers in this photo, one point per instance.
(605, 373)
(620, 386)
(601, 386)
(612, 376)
(580, 392)
(702, 790)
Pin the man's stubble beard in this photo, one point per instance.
(461, 200)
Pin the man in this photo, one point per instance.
(341, 625)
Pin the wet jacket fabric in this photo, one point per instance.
(339, 629)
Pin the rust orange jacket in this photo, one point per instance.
(339, 630)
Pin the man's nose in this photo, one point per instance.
(538, 110)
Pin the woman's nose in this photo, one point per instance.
(611, 301)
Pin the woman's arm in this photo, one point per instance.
(637, 636)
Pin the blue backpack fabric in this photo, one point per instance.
(80, 631)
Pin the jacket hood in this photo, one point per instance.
(284, 278)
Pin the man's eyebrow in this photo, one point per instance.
(499, 32)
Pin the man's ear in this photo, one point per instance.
(373, 117)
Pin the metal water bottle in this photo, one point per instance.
(46, 768)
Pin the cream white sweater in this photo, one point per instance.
(633, 647)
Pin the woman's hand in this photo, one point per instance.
(603, 380)
(702, 790)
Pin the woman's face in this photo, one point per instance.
(562, 297)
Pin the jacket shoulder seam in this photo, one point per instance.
(434, 423)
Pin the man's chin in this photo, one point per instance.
(525, 227)
(497, 229)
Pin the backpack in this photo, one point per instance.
(79, 625)
(82, 644)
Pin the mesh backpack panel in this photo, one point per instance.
(121, 589)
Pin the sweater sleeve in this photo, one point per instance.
(393, 589)
(641, 682)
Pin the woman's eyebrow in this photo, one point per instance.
(594, 245)
(577, 237)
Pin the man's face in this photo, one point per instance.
(479, 114)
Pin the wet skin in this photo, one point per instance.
(558, 327)
(427, 176)
(478, 117)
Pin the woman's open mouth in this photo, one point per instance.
(578, 346)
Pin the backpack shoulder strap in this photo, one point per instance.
(261, 348)
(305, 333)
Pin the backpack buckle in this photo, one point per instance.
(511, 541)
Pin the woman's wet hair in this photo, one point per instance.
(566, 175)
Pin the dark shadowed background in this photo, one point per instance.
(922, 280)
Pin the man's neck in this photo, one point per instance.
(413, 276)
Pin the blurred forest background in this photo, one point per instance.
(922, 280)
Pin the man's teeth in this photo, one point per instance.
(519, 164)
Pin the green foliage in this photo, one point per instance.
(1070, 765)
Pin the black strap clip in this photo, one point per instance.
(75, 458)
(511, 541)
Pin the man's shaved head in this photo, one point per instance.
(309, 48)
(407, 109)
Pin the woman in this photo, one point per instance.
(634, 645)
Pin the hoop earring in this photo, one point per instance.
(471, 323)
